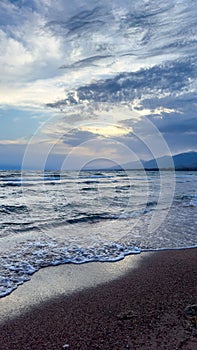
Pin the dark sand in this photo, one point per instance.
(143, 309)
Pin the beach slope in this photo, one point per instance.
(143, 309)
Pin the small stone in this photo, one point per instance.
(191, 317)
(191, 310)
(126, 315)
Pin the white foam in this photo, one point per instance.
(15, 270)
(193, 202)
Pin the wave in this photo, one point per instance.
(93, 218)
(11, 184)
(151, 204)
(75, 213)
(89, 189)
(36, 255)
(193, 201)
(90, 218)
(124, 188)
(9, 209)
(89, 182)
(96, 176)
(189, 199)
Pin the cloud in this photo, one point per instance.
(34, 95)
(78, 137)
(82, 62)
(94, 60)
(157, 81)
(29, 57)
(95, 131)
(178, 124)
(97, 41)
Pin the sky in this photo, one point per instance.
(106, 81)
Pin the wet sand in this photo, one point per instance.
(141, 309)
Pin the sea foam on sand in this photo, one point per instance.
(63, 279)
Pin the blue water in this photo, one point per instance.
(59, 217)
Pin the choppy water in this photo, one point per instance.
(52, 218)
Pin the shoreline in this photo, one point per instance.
(141, 253)
(140, 309)
(65, 279)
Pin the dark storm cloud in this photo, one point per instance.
(179, 124)
(171, 77)
(186, 101)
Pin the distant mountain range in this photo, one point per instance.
(182, 161)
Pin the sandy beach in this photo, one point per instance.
(142, 309)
